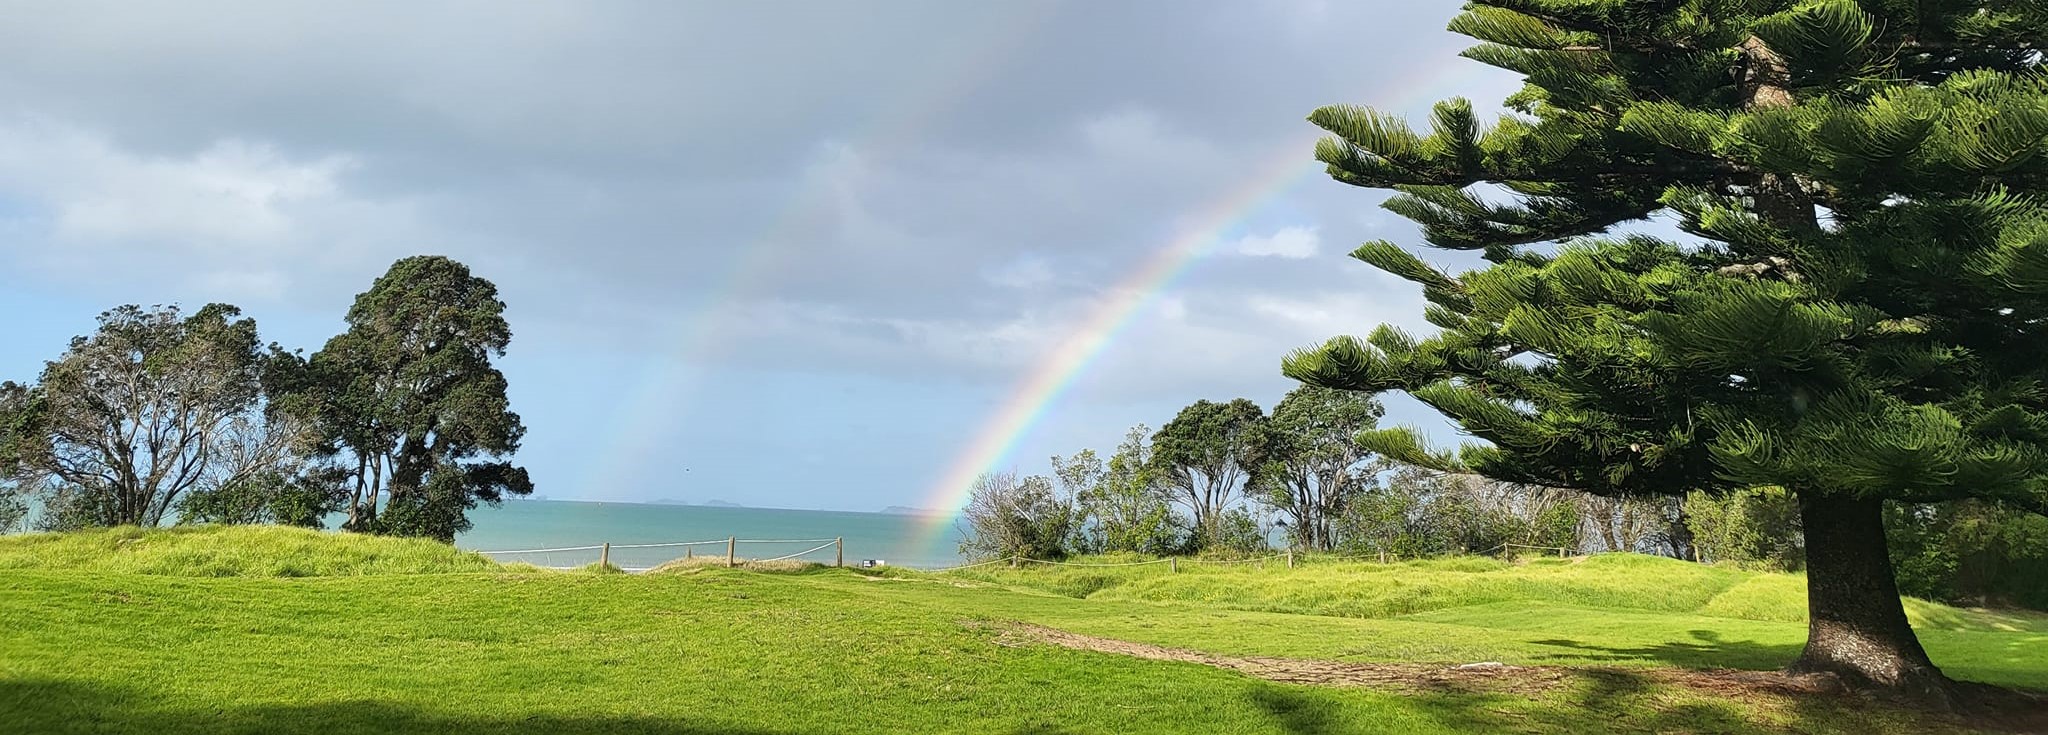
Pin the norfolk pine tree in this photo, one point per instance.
(1858, 315)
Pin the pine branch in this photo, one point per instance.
(1641, 45)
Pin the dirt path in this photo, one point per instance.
(2001, 711)
(1486, 676)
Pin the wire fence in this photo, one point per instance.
(644, 557)
(1290, 558)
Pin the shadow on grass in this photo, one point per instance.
(1597, 700)
(1604, 700)
(57, 707)
(1707, 650)
(66, 707)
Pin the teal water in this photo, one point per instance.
(535, 524)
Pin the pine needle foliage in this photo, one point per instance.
(1861, 314)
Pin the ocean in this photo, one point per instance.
(521, 525)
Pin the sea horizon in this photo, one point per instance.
(534, 528)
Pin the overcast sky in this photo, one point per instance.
(777, 253)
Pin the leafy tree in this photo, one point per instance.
(1010, 517)
(1311, 463)
(1080, 476)
(1239, 531)
(1856, 320)
(16, 434)
(151, 407)
(1415, 511)
(1758, 526)
(305, 499)
(1970, 552)
(1126, 508)
(1625, 523)
(1205, 455)
(409, 398)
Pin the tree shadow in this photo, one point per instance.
(1707, 650)
(1594, 700)
(1298, 710)
(57, 707)
(1605, 700)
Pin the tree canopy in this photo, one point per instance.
(409, 393)
(1309, 461)
(150, 408)
(1206, 455)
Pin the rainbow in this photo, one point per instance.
(1051, 376)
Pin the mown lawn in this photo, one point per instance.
(91, 645)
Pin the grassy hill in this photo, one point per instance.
(254, 630)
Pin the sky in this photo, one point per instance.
(805, 255)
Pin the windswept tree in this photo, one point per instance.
(1310, 461)
(1007, 516)
(1625, 523)
(150, 408)
(1206, 455)
(408, 399)
(1857, 316)
(16, 479)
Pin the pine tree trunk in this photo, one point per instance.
(1857, 628)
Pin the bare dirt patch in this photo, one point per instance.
(1486, 676)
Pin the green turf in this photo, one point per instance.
(144, 644)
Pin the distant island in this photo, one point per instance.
(904, 510)
(707, 503)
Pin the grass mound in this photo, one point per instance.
(1633, 582)
(234, 551)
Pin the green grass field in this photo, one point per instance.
(278, 630)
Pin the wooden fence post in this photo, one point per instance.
(1383, 556)
(1290, 558)
(1173, 564)
(689, 552)
(731, 544)
(604, 558)
(839, 555)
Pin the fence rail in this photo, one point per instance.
(838, 545)
(731, 543)
(1291, 557)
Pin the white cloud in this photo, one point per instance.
(234, 192)
(1287, 242)
(237, 218)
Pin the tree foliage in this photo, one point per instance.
(1971, 552)
(1412, 512)
(1857, 318)
(1310, 462)
(1629, 524)
(1206, 455)
(1123, 507)
(1758, 527)
(153, 407)
(1007, 516)
(408, 397)
(303, 499)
